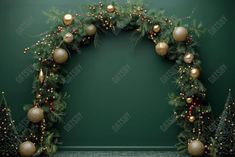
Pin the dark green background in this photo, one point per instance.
(93, 93)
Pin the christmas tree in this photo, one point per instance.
(225, 133)
(9, 139)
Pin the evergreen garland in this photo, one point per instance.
(49, 75)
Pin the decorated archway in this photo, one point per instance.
(171, 39)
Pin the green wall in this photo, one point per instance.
(115, 83)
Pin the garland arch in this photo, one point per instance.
(172, 40)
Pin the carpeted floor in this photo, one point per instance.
(117, 154)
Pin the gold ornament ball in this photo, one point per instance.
(195, 73)
(35, 114)
(162, 48)
(196, 148)
(91, 30)
(110, 8)
(60, 56)
(27, 149)
(156, 28)
(68, 19)
(189, 100)
(180, 33)
(191, 119)
(188, 58)
(68, 38)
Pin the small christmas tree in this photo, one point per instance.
(9, 139)
(225, 133)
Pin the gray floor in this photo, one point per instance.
(118, 154)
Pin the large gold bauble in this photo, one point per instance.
(188, 58)
(35, 114)
(156, 28)
(27, 149)
(91, 30)
(180, 33)
(60, 55)
(195, 73)
(68, 38)
(196, 148)
(162, 48)
(68, 19)
(110, 8)
(192, 119)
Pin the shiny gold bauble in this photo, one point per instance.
(60, 55)
(189, 100)
(110, 8)
(68, 19)
(91, 30)
(27, 149)
(41, 76)
(68, 38)
(196, 148)
(156, 28)
(162, 48)
(191, 119)
(188, 58)
(195, 73)
(180, 33)
(35, 115)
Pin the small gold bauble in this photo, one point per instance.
(41, 76)
(60, 55)
(68, 19)
(35, 114)
(38, 96)
(180, 33)
(188, 58)
(189, 100)
(27, 149)
(161, 48)
(156, 28)
(195, 73)
(196, 148)
(110, 8)
(91, 30)
(68, 38)
(191, 119)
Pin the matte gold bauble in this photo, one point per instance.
(156, 28)
(60, 55)
(41, 76)
(196, 148)
(191, 119)
(180, 33)
(35, 115)
(188, 58)
(68, 19)
(68, 38)
(161, 48)
(195, 73)
(91, 30)
(110, 8)
(27, 149)
(189, 100)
